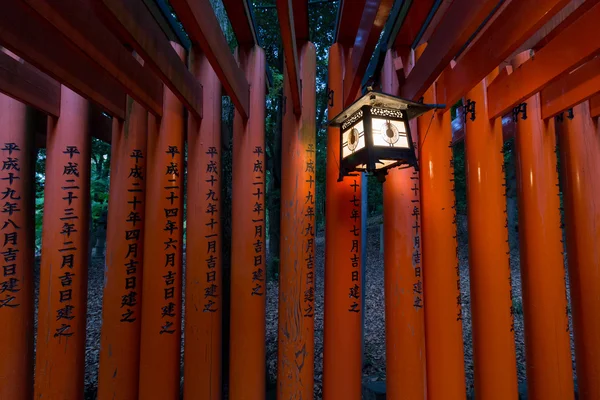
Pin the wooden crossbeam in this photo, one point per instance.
(575, 45)
(77, 21)
(571, 89)
(459, 22)
(500, 39)
(372, 21)
(133, 23)
(290, 50)
(35, 40)
(239, 13)
(202, 25)
(29, 85)
(595, 106)
(416, 17)
(300, 8)
(348, 20)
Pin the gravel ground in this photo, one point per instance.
(374, 366)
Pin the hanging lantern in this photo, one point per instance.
(375, 134)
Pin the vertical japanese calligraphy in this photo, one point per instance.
(16, 254)
(309, 233)
(258, 221)
(354, 245)
(63, 276)
(121, 309)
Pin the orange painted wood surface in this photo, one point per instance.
(579, 140)
(77, 21)
(41, 44)
(349, 17)
(160, 345)
(248, 241)
(560, 56)
(342, 336)
(491, 296)
(204, 287)
(29, 85)
(60, 349)
(295, 372)
(285, 16)
(17, 250)
(242, 22)
(121, 318)
(549, 364)
(403, 272)
(572, 89)
(594, 105)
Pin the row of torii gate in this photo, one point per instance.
(79, 49)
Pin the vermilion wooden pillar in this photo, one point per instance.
(549, 365)
(203, 315)
(121, 319)
(17, 230)
(60, 349)
(404, 300)
(342, 340)
(160, 345)
(441, 274)
(580, 161)
(491, 298)
(295, 373)
(248, 272)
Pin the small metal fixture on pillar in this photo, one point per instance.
(375, 134)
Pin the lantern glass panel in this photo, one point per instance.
(389, 133)
(353, 139)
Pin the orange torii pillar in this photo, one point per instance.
(295, 373)
(121, 319)
(491, 297)
(160, 344)
(404, 301)
(441, 283)
(342, 336)
(549, 365)
(203, 289)
(579, 140)
(16, 229)
(60, 349)
(248, 271)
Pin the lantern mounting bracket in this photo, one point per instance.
(330, 94)
(520, 109)
(469, 109)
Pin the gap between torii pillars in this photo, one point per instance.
(121, 319)
(404, 301)
(160, 344)
(17, 230)
(295, 373)
(579, 140)
(203, 313)
(491, 295)
(248, 274)
(547, 342)
(60, 349)
(342, 337)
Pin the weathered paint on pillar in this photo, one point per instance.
(17, 230)
(547, 342)
(203, 315)
(60, 349)
(579, 139)
(121, 319)
(441, 283)
(404, 300)
(295, 373)
(160, 345)
(342, 359)
(248, 271)
(491, 296)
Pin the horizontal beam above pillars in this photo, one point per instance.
(201, 24)
(38, 42)
(133, 23)
(571, 89)
(511, 26)
(29, 85)
(348, 20)
(290, 50)
(76, 20)
(595, 106)
(575, 45)
(416, 17)
(239, 13)
(458, 23)
(300, 11)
